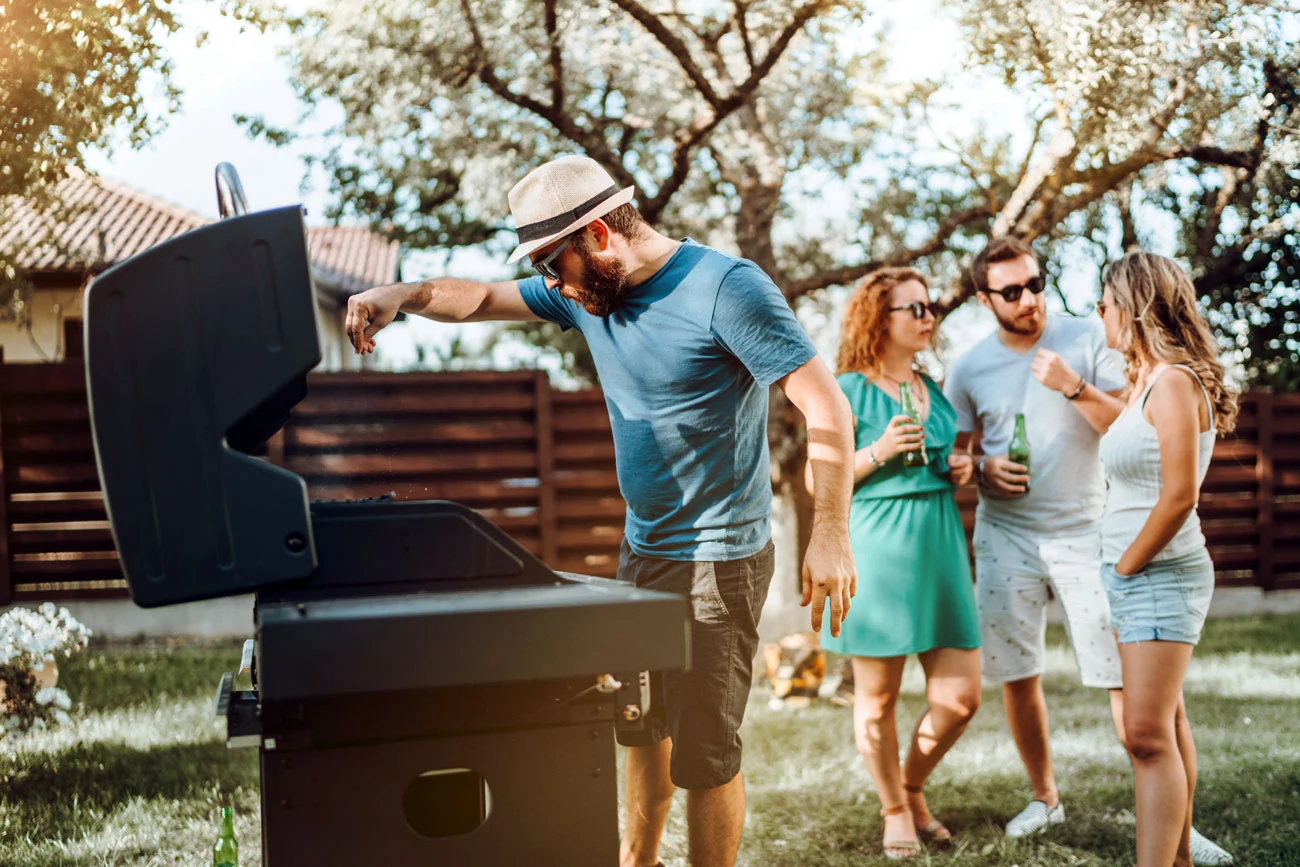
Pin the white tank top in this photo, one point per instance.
(1130, 452)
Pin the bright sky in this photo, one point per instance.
(238, 71)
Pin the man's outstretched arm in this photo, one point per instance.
(445, 299)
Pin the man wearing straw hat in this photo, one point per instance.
(687, 342)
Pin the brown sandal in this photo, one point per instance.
(934, 828)
(899, 850)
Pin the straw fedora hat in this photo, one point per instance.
(555, 199)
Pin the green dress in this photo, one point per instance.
(914, 582)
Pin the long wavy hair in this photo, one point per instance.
(1160, 322)
(865, 329)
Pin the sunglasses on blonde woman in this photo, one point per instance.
(919, 309)
(1101, 308)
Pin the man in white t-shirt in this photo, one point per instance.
(1038, 527)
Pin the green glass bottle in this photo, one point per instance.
(1018, 451)
(918, 457)
(226, 852)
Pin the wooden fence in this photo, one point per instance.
(538, 462)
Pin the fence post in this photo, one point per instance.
(547, 519)
(1264, 568)
(6, 570)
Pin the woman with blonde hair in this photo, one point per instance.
(1157, 572)
(914, 585)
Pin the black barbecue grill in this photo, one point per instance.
(425, 690)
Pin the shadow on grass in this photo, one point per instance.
(47, 796)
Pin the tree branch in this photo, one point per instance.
(688, 139)
(593, 144)
(1096, 184)
(742, 9)
(557, 69)
(846, 274)
(672, 45)
(1124, 201)
(1209, 233)
(1061, 147)
(1212, 156)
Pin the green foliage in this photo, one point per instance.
(74, 74)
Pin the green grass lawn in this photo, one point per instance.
(138, 779)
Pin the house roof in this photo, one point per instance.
(105, 222)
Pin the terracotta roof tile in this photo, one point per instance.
(105, 222)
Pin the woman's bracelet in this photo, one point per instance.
(871, 456)
(1083, 383)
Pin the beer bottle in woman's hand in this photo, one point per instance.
(917, 457)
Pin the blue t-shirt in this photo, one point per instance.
(685, 364)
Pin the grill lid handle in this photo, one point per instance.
(230, 192)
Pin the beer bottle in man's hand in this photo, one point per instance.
(915, 458)
(226, 852)
(1018, 452)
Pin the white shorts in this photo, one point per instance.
(1013, 570)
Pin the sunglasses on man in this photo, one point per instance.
(1011, 294)
(544, 266)
(919, 309)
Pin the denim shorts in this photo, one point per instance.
(1166, 601)
(702, 708)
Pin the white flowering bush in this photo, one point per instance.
(29, 641)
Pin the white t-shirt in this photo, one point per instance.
(990, 383)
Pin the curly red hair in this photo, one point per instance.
(865, 329)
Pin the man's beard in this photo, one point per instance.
(1017, 327)
(603, 287)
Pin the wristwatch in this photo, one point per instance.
(1083, 383)
(979, 467)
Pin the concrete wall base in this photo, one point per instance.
(230, 618)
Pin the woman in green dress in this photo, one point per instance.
(915, 593)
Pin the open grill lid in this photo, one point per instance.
(196, 350)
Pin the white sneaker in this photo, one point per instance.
(1035, 819)
(1206, 853)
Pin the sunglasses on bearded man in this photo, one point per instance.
(544, 266)
(1011, 294)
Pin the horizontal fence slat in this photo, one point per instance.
(409, 403)
(346, 436)
(412, 464)
(46, 378)
(65, 563)
(421, 380)
(75, 440)
(68, 412)
(487, 493)
(583, 452)
(51, 476)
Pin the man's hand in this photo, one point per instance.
(829, 576)
(1005, 476)
(370, 311)
(1052, 371)
(960, 468)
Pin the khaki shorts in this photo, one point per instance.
(1013, 571)
(702, 708)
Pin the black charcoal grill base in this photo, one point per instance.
(553, 801)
